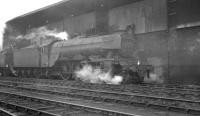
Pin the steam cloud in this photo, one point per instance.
(153, 78)
(96, 75)
(42, 32)
(157, 75)
(2, 31)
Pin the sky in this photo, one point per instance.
(10, 9)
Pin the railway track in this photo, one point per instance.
(12, 105)
(163, 103)
(194, 88)
(7, 110)
(186, 94)
(22, 105)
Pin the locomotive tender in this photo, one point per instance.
(60, 59)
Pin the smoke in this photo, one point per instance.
(43, 32)
(2, 31)
(157, 75)
(153, 78)
(96, 75)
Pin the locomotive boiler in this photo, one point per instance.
(60, 59)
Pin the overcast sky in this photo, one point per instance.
(10, 9)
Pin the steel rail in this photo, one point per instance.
(61, 82)
(91, 109)
(105, 98)
(181, 92)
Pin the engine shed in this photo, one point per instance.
(167, 32)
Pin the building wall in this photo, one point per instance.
(147, 15)
(9, 37)
(174, 54)
(75, 24)
(185, 54)
(188, 12)
(56, 25)
(152, 49)
(80, 24)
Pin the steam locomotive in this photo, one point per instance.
(60, 59)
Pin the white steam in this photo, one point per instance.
(153, 78)
(138, 62)
(42, 32)
(2, 29)
(96, 75)
(157, 75)
(61, 35)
